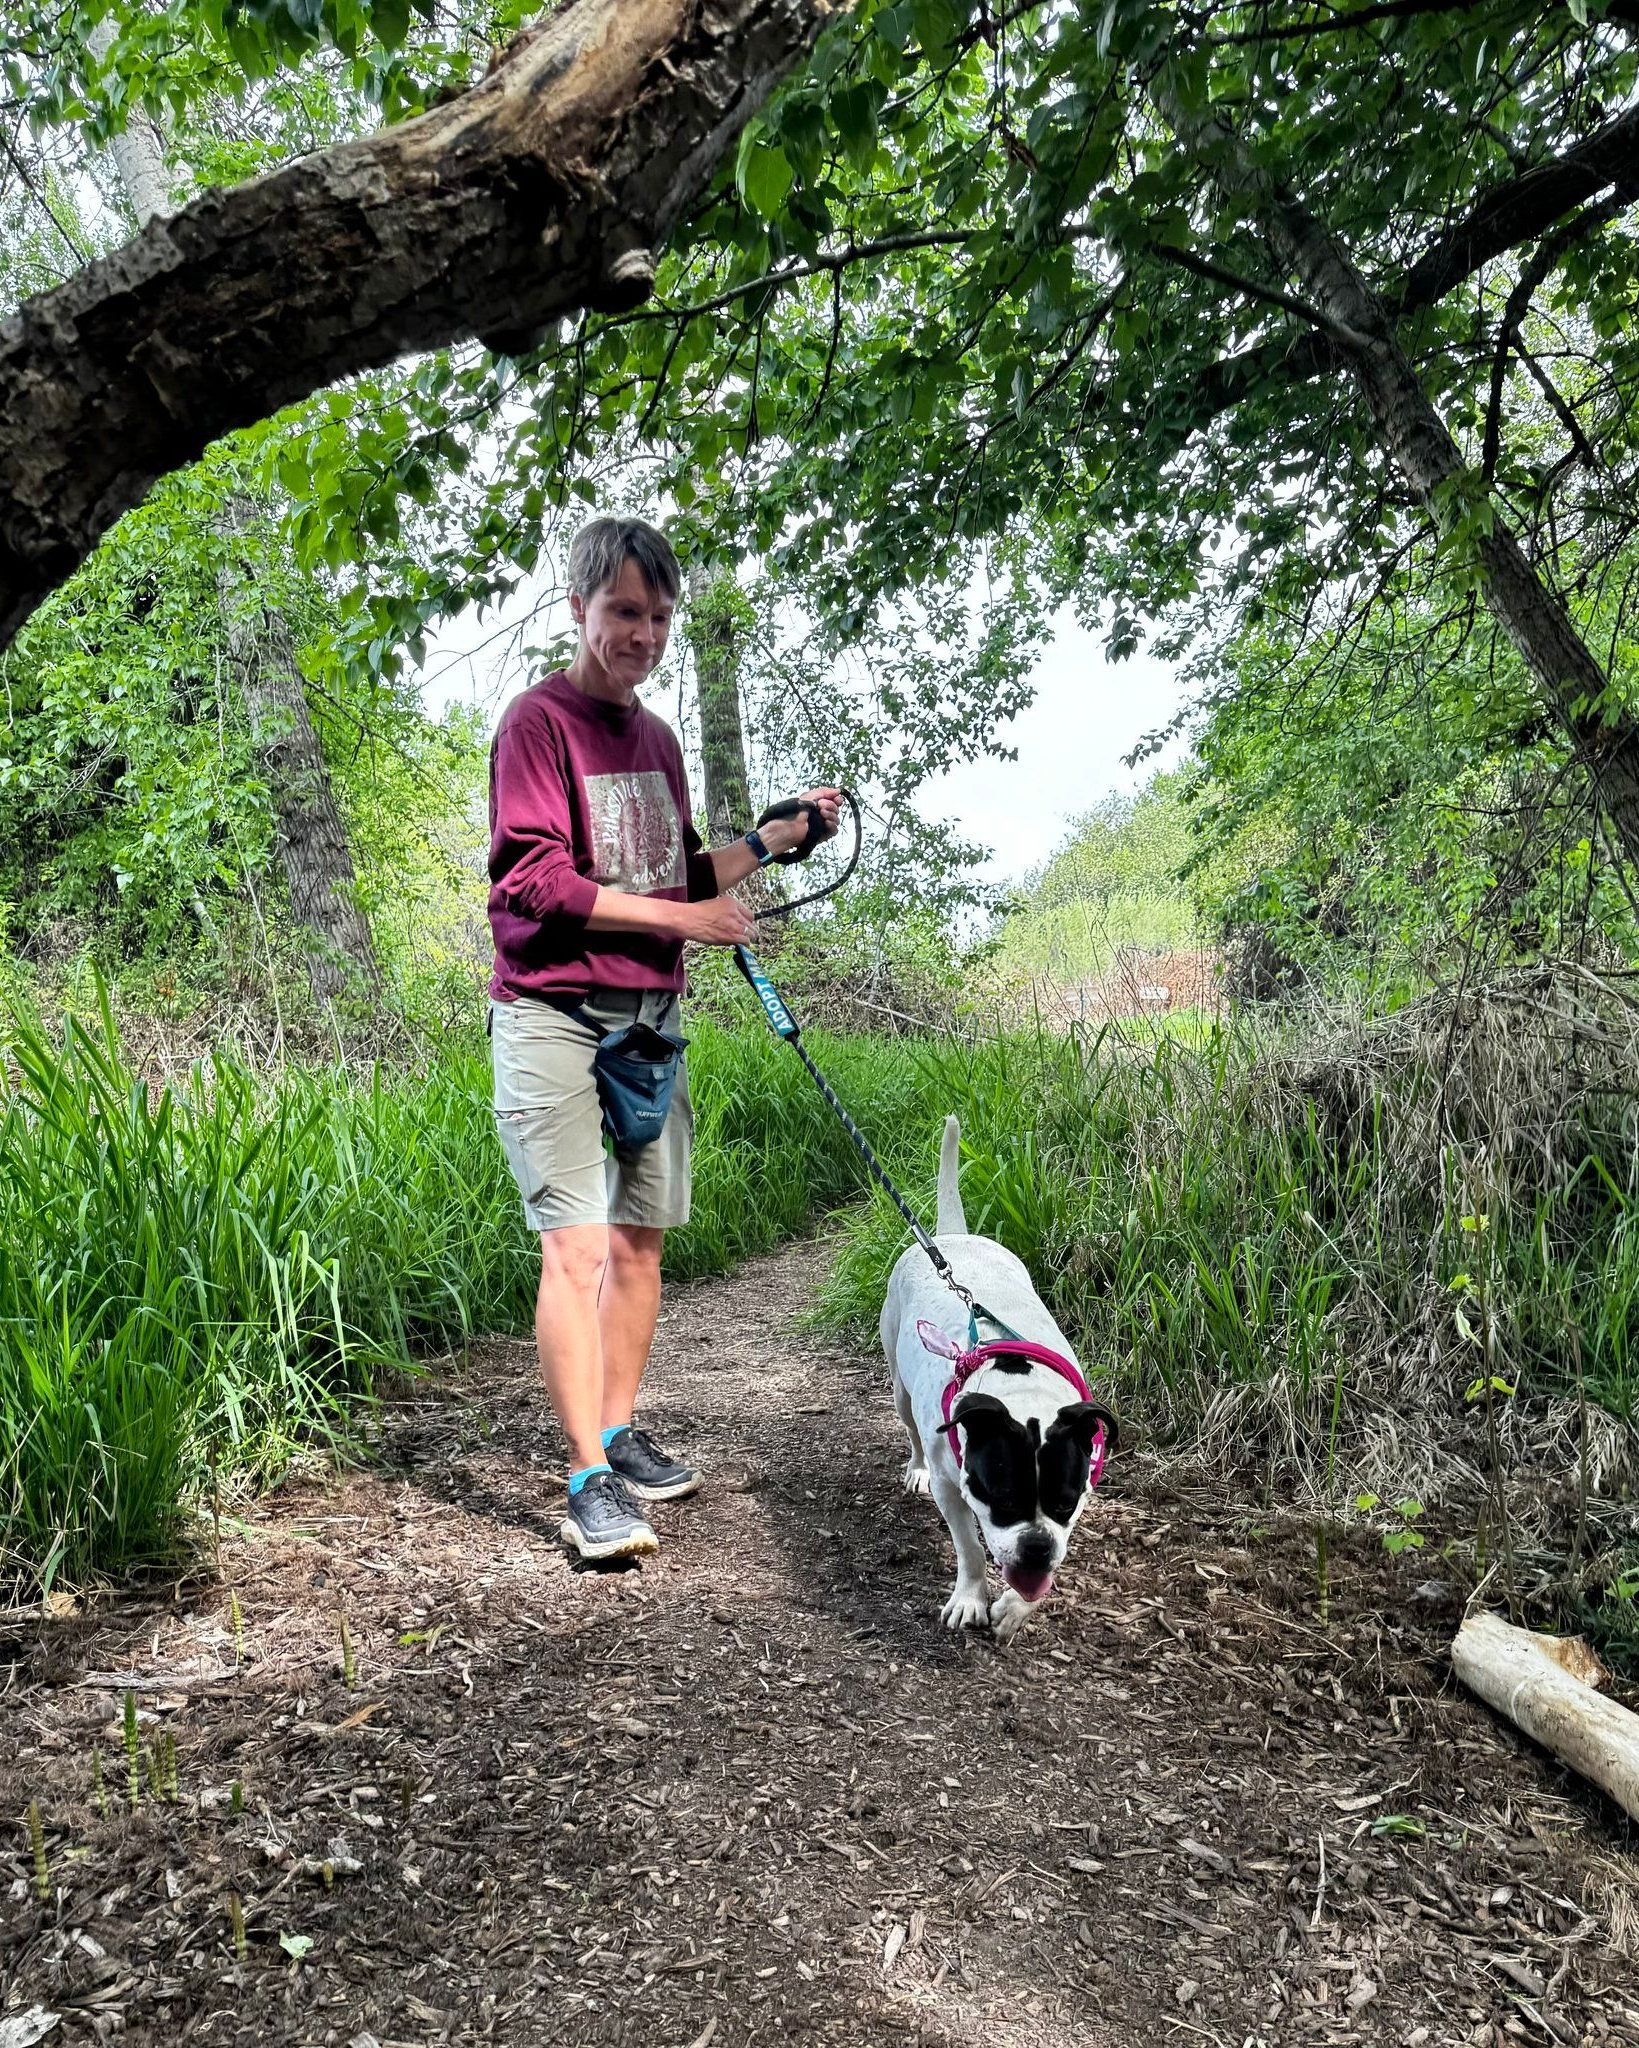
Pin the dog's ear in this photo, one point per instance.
(983, 1417)
(1079, 1420)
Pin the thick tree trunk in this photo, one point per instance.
(312, 839)
(318, 862)
(715, 635)
(1416, 438)
(545, 189)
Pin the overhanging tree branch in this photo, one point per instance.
(1218, 273)
(1411, 433)
(545, 189)
(1518, 212)
(1523, 209)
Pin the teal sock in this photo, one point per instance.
(579, 1478)
(607, 1436)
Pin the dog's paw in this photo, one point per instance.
(1008, 1614)
(916, 1477)
(968, 1606)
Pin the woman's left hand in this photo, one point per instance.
(780, 835)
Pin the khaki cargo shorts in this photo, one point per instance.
(551, 1122)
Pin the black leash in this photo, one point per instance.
(800, 852)
(785, 1026)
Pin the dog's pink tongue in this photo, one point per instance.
(1031, 1586)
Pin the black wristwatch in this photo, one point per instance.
(754, 840)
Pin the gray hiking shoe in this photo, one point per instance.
(602, 1522)
(649, 1472)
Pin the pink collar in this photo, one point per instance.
(965, 1363)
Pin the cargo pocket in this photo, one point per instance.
(526, 1139)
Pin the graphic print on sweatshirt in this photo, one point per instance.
(637, 840)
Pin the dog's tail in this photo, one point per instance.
(951, 1221)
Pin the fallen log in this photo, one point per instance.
(1546, 1685)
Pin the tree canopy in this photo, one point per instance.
(1244, 327)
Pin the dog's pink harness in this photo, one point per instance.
(966, 1361)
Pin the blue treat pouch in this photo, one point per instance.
(636, 1070)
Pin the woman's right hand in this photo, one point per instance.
(715, 921)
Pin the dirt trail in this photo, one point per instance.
(754, 1793)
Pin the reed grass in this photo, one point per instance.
(221, 1267)
(1261, 1237)
(1207, 1210)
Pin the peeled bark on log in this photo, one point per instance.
(1545, 1686)
(1357, 326)
(312, 840)
(545, 189)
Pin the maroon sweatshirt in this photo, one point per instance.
(584, 794)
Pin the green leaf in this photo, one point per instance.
(765, 179)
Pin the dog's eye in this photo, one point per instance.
(1002, 1475)
(1062, 1470)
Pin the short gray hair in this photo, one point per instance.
(603, 545)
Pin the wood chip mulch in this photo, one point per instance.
(754, 1792)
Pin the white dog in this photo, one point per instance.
(1019, 1477)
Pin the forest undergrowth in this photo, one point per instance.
(1383, 1270)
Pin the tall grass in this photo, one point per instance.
(1281, 1232)
(224, 1266)
(1208, 1215)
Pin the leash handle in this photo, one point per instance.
(813, 827)
(789, 809)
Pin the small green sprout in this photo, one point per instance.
(37, 1843)
(133, 1749)
(1402, 1537)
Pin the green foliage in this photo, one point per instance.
(227, 1265)
(1393, 807)
(1196, 1220)
(1118, 880)
(132, 797)
(971, 284)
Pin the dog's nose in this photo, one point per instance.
(1035, 1551)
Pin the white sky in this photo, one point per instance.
(1086, 715)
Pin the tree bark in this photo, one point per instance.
(1359, 329)
(545, 189)
(312, 840)
(716, 638)
(138, 150)
(1505, 218)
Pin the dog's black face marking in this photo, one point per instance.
(1062, 1474)
(1066, 1456)
(1001, 1459)
(1014, 1472)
